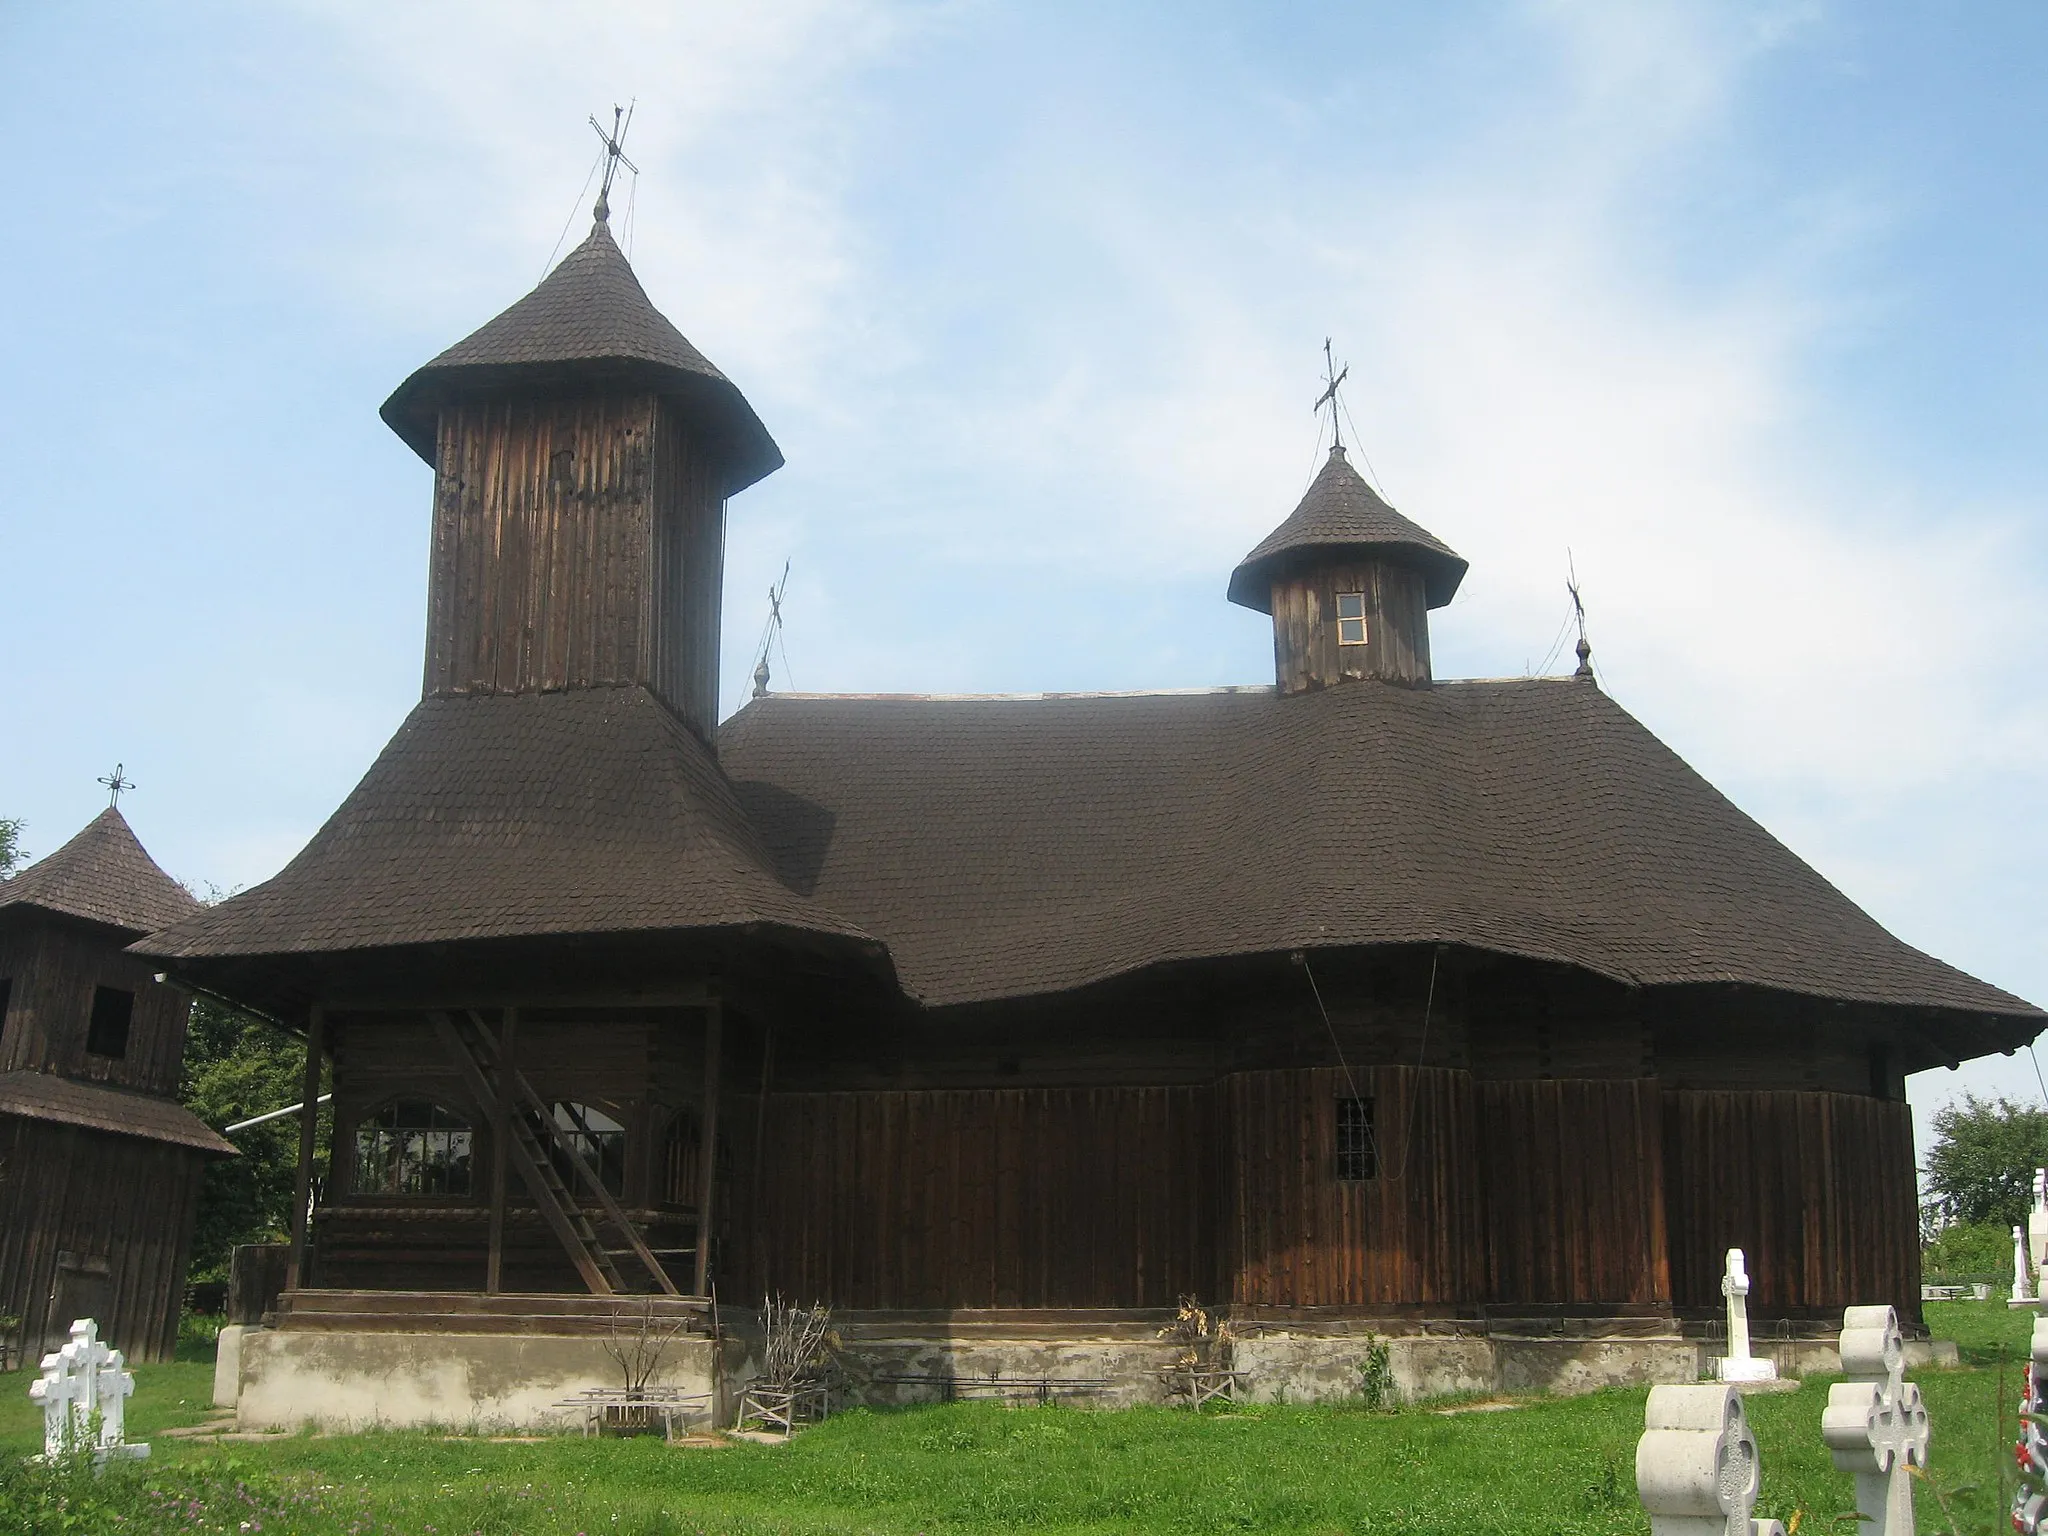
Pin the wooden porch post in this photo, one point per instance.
(309, 1125)
(707, 1151)
(501, 1135)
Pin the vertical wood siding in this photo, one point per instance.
(1574, 1191)
(131, 1202)
(1298, 1236)
(1029, 1197)
(1817, 1189)
(1305, 649)
(577, 543)
(54, 965)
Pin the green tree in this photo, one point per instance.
(1981, 1166)
(12, 854)
(237, 1066)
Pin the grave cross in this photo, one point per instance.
(2022, 1284)
(85, 1386)
(2030, 1501)
(1697, 1471)
(2037, 1221)
(1740, 1364)
(1875, 1424)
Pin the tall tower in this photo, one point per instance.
(1349, 582)
(583, 451)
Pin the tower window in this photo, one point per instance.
(107, 1034)
(1358, 1155)
(1351, 618)
(413, 1147)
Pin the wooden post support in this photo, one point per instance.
(501, 1135)
(309, 1125)
(707, 1152)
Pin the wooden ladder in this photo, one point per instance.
(527, 1119)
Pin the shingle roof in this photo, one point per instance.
(1008, 847)
(589, 322)
(43, 1096)
(494, 816)
(104, 876)
(1342, 514)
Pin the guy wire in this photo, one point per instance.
(1351, 1083)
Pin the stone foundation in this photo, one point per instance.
(363, 1377)
(469, 1381)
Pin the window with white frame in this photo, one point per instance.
(1351, 618)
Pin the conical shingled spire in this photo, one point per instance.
(1343, 516)
(588, 323)
(104, 876)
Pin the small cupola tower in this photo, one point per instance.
(1349, 582)
(583, 452)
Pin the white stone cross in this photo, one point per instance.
(1740, 1364)
(80, 1382)
(1874, 1423)
(1697, 1471)
(2022, 1284)
(2037, 1221)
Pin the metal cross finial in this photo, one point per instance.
(770, 632)
(614, 155)
(1332, 377)
(115, 784)
(1585, 649)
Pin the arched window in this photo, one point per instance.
(413, 1147)
(598, 1139)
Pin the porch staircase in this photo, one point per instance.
(528, 1119)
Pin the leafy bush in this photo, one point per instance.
(1376, 1373)
(1968, 1250)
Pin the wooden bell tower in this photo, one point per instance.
(583, 452)
(1348, 580)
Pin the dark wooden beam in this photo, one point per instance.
(501, 1135)
(309, 1125)
(707, 1155)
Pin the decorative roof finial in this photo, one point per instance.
(1584, 647)
(1332, 377)
(614, 155)
(770, 633)
(115, 784)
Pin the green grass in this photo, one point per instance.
(1550, 1467)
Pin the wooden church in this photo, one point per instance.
(1357, 996)
(99, 1163)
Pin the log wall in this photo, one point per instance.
(1306, 653)
(1817, 1189)
(1028, 1197)
(577, 543)
(94, 1221)
(1299, 1236)
(1573, 1176)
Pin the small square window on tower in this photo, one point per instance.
(1351, 618)
(1358, 1154)
(107, 1035)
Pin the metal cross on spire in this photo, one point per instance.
(614, 155)
(1585, 649)
(1332, 377)
(770, 633)
(115, 784)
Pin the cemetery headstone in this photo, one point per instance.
(1697, 1469)
(1875, 1424)
(1740, 1365)
(2037, 1221)
(2022, 1283)
(83, 1392)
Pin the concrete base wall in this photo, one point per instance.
(361, 1380)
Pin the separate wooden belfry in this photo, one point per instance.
(99, 1164)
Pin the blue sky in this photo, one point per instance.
(1741, 305)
